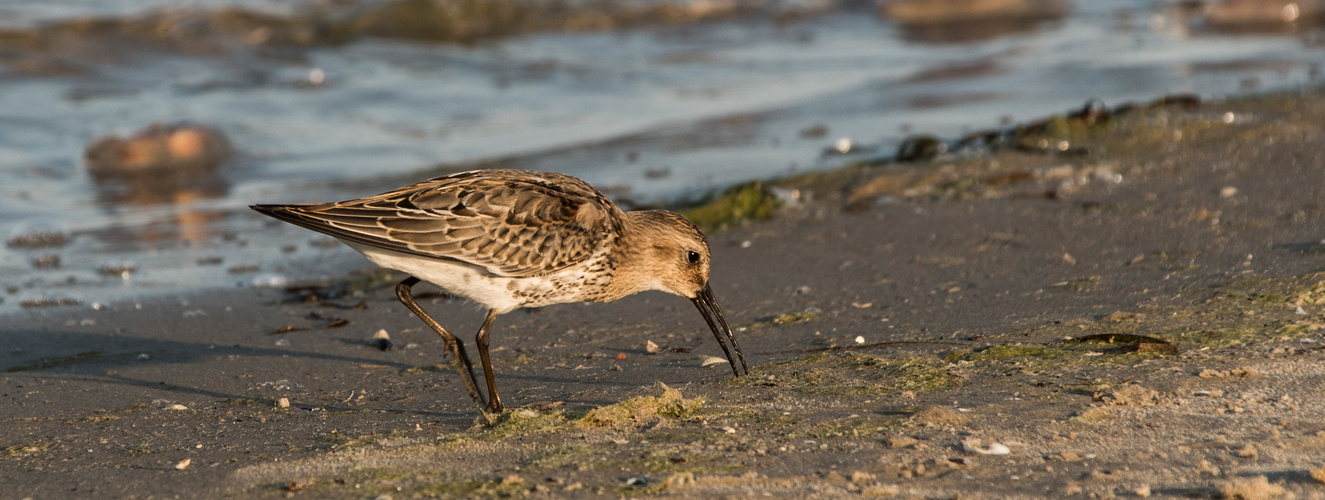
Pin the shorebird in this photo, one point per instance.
(508, 239)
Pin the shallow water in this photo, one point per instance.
(649, 115)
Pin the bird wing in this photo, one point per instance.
(512, 223)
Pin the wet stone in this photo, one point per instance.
(47, 261)
(43, 239)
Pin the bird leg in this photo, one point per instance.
(453, 344)
(494, 400)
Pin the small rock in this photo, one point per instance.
(1228, 192)
(159, 147)
(621, 356)
(651, 347)
(183, 464)
(1142, 491)
(1069, 260)
(177, 407)
(283, 403)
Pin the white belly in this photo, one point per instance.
(456, 278)
(470, 282)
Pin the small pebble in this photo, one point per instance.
(283, 403)
(183, 464)
(1228, 192)
(651, 347)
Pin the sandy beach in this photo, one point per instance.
(1143, 319)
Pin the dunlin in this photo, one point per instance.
(508, 239)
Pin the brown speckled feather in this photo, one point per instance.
(512, 223)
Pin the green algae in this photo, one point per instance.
(743, 202)
(27, 448)
(640, 410)
(838, 375)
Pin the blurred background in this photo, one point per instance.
(133, 133)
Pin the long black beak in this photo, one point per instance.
(705, 302)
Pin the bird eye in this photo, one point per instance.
(693, 257)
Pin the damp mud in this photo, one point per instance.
(1144, 319)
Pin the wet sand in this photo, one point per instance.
(888, 320)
